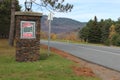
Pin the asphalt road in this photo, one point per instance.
(106, 56)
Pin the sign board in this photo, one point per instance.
(50, 16)
(27, 30)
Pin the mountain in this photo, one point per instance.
(60, 25)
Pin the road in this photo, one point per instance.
(106, 56)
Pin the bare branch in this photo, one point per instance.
(55, 5)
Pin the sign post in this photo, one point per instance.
(50, 17)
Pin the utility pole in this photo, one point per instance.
(12, 23)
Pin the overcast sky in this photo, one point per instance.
(84, 10)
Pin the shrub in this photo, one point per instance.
(107, 42)
(115, 40)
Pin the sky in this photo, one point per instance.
(84, 10)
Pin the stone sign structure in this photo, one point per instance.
(27, 29)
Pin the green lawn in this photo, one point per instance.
(53, 67)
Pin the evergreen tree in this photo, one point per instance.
(94, 31)
(117, 28)
(105, 29)
(83, 33)
(5, 11)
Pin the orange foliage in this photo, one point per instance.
(53, 36)
(71, 36)
(43, 35)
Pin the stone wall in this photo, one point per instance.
(27, 49)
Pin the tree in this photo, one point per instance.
(116, 39)
(43, 35)
(117, 28)
(94, 31)
(83, 33)
(53, 36)
(12, 23)
(5, 17)
(91, 32)
(105, 29)
(55, 5)
(112, 32)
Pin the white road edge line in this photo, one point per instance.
(102, 51)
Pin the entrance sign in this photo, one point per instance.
(27, 36)
(27, 30)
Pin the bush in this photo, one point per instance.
(107, 42)
(116, 40)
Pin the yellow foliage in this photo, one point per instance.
(71, 36)
(43, 35)
(53, 36)
(112, 31)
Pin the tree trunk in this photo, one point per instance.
(12, 23)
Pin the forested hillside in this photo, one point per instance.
(60, 25)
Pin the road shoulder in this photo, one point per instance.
(100, 71)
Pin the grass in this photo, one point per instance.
(53, 67)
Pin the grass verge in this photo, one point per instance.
(53, 67)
